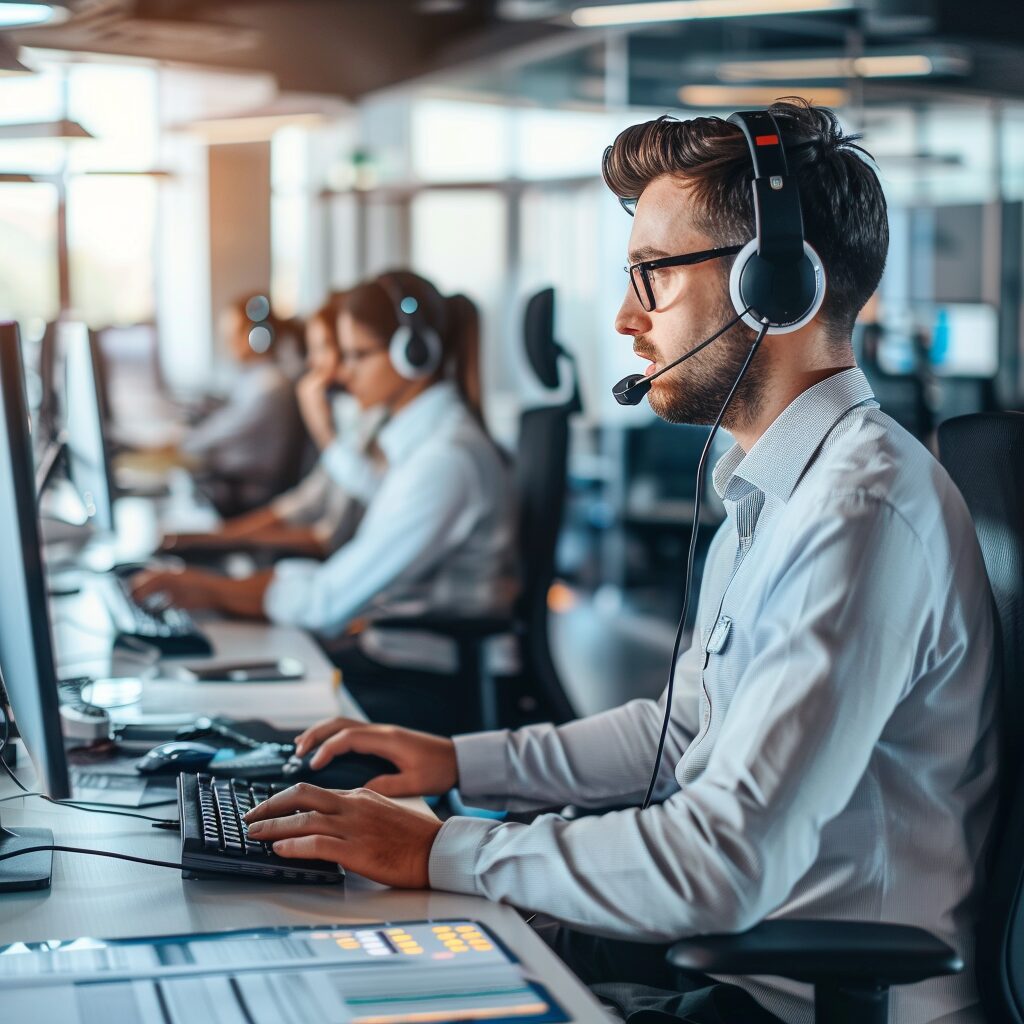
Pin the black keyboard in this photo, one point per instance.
(171, 630)
(215, 840)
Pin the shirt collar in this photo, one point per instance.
(414, 424)
(777, 461)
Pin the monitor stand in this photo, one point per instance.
(31, 870)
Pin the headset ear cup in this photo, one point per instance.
(756, 284)
(415, 354)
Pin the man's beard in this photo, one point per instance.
(696, 391)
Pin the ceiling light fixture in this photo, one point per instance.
(258, 128)
(894, 65)
(738, 96)
(685, 10)
(22, 15)
(63, 129)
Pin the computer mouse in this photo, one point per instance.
(178, 756)
(347, 771)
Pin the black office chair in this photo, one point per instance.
(984, 454)
(853, 964)
(541, 460)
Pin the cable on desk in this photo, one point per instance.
(55, 848)
(75, 805)
(25, 792)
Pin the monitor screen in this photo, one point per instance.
(84, 436)
(26, 645)
(956, 339)
(964, 339)
(49, 405)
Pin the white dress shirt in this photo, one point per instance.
(331, 498)
(252, 433)
(438, 536)
(831, 751)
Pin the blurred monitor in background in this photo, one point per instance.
(951, 339)
(84, 423)
(964, 339)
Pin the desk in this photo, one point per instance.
(93, 896)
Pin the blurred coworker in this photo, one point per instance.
(438, 534)
(245, 452)
(322, 512)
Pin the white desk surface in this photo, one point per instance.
(103, 898)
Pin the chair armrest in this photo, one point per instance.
(455, 627)
(822, 952)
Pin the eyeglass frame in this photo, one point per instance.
(685, 260)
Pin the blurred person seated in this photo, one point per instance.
(438, 535)
(320, 513)
(247, 450)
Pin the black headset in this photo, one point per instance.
(415, 349)
(777, 277)
(261, 328)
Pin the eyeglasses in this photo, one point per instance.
(628, 203)
(649, 281)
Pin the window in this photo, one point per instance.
(111, 235)
(28, 244)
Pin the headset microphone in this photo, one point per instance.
(631, 390)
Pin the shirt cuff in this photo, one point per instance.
(287, 596)
(452, 864)
(482, 762)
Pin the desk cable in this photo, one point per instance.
(102, 808)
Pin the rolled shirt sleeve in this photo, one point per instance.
(406, 531)
(726, 849)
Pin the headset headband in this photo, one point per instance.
(778, 217)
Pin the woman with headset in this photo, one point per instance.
(243, 452)
(321, 512)
(438, 533)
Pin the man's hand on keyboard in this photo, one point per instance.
(426, 764)
(358, 829)
(183, 588)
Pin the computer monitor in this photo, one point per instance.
(84, 429)
(964, 339)
(26, 645)
(48, 425)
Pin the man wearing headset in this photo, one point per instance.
(829, 751)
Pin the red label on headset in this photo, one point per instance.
(766, 140)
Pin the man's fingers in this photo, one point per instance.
(313, 848)
(316, 734)
(357, 738)
(289, 826)
(300, 797)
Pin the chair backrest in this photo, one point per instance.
(541, 470)
(984, 454)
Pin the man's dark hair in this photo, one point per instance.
(843, 205)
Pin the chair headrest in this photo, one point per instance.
(539, 334)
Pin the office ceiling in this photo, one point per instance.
(529, 48)
(343, 47)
